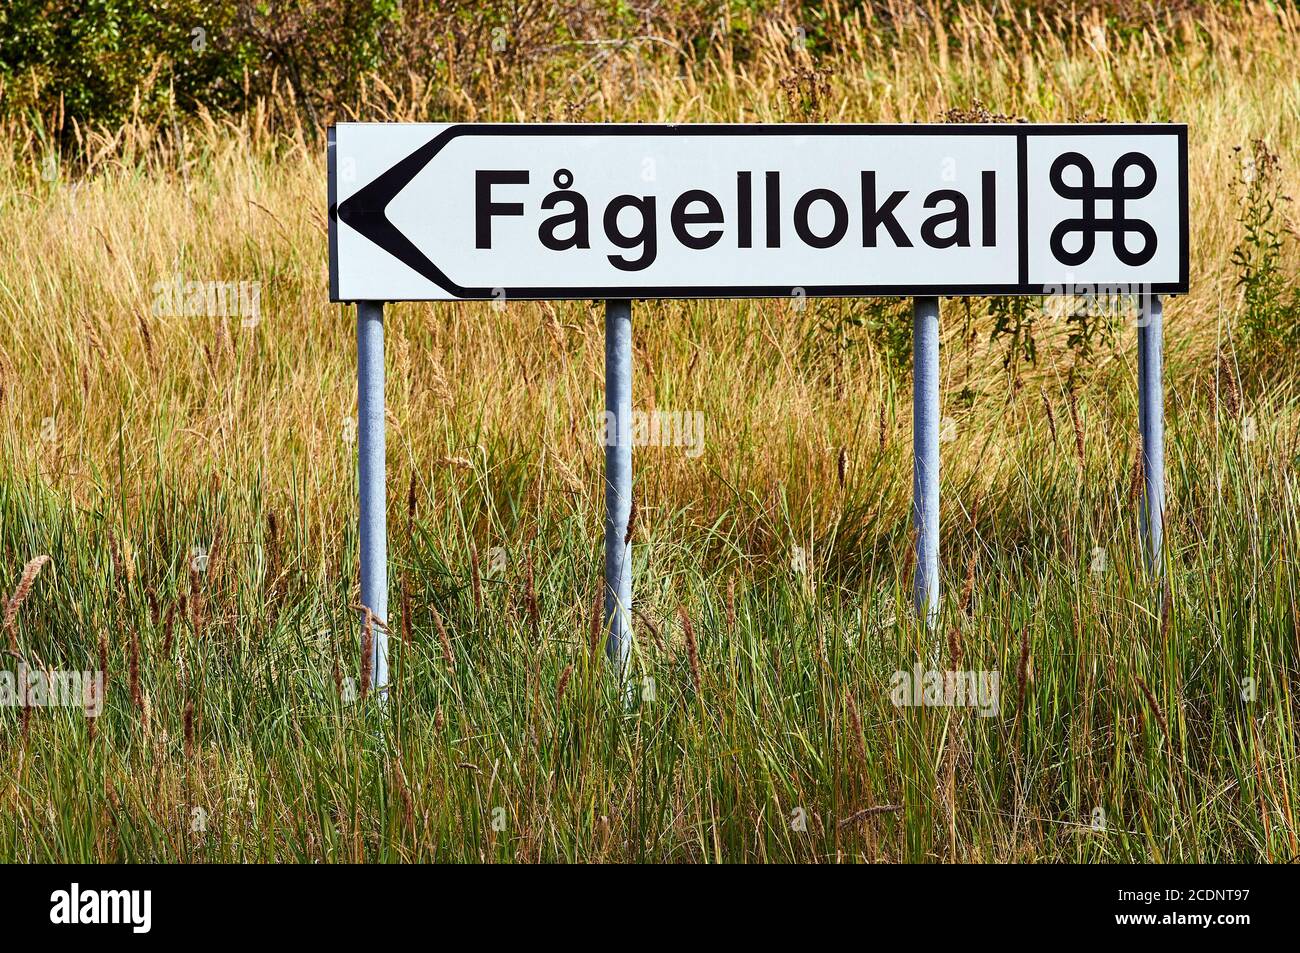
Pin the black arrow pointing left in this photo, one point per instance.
(366, 211)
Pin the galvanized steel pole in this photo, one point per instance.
(371, 476)
(618, 481)
(925, 455)
(1151, 419)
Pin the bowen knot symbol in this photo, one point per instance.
(1088, 192)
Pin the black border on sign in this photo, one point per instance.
(332, 196)
(373, 211)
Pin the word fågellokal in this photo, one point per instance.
(696, 218)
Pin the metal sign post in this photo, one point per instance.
(1151, 420)
(618, 481)
(370, 472)
(617, 212)
(925, 455)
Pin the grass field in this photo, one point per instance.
(192, 481)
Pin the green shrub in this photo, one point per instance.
(1269, 325)
(80, 61)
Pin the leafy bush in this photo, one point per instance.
(79, 61)
(73, 62)
(1270, 314)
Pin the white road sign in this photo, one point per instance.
(548, 211)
